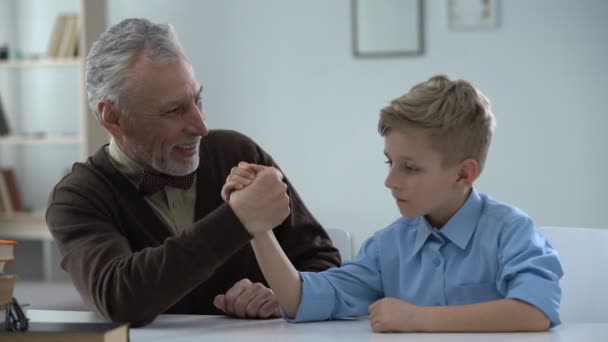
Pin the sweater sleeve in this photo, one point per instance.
(119, 282)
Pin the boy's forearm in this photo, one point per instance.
(282, 277)
(500, 315)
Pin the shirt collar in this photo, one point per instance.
(424, 230)
(460, 227)
(125, 164)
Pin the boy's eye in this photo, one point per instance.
(410, 168)
(405, 167)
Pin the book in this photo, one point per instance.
(2, 210)
(70, 332)
(6, 253)
(63, 48)
(7, 250)
(5, 197)
(7, 281)
(4, 127)
(76, 37)
(69, 37)
(14, 196)
(7, 284)
(53, 47)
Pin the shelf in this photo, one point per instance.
(45, 140)
(26, 226)
(40, 62)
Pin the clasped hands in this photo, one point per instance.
(258, 197)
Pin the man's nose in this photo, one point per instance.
(197, 125)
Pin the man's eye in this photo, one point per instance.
(173, 110)
(388, 162)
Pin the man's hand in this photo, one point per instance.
(263, 204)
(248, 300)
(392, 314)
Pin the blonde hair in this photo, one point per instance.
(456, 115)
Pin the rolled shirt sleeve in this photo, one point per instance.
(341, 292)
(530, 269)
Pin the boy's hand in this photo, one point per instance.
(264, 204)
(392, 314)
(239, 177)
(248, 300)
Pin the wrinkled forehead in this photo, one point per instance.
(151, 84)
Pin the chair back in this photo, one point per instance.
(341, 240)
(583, 253)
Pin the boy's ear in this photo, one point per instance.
(468, 172)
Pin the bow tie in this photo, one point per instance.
(152, 182)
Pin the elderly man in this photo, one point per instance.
(141, 225)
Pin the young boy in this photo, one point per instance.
(457, 260)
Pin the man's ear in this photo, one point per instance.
(110, 117)
(468, 172)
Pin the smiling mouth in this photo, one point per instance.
(188, 147)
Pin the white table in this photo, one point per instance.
(178, 328)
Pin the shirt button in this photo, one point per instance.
(436, 262)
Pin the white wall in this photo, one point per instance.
(282, 72)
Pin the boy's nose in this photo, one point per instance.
(389, 182)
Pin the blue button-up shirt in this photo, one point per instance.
(487, 251)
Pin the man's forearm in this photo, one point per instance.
(136, 287)
(499, 315)
(283, 278)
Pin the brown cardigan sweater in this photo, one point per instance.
(129, 266)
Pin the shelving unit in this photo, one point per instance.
(25, 226)
(45, 101)
(40, 62)
(25, 140)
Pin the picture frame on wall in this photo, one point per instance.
(387, 28)
(472, 14)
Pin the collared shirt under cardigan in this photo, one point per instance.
(487, 251)
(174, 206)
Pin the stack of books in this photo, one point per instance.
(50, 331)
(7, 281)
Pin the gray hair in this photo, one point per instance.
(112, 55)
(456, 115)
